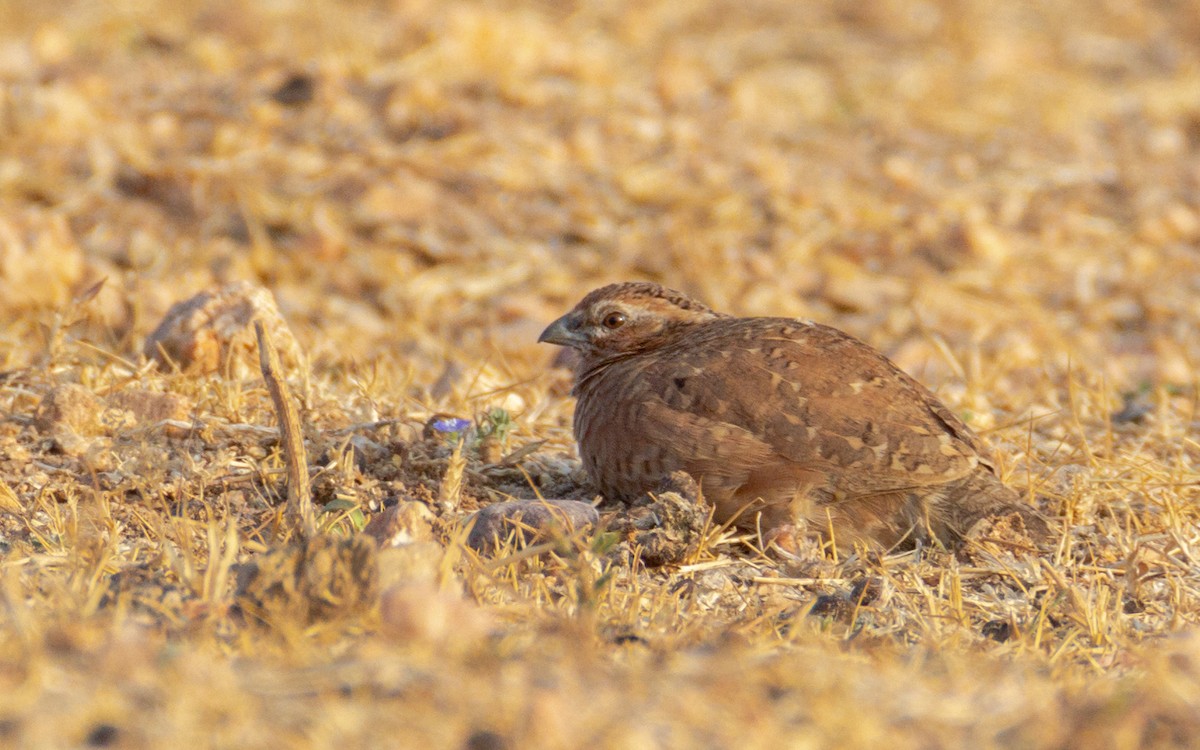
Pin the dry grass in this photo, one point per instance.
(1006, 200)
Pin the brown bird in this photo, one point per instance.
(781, 421)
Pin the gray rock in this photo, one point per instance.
(532, 521)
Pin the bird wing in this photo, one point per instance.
(816, 398)
(724, 454)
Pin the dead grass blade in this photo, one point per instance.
(300, 515)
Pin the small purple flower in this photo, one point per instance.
(451, 424)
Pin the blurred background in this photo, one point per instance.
(987, 192)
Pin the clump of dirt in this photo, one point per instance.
(1000, 537)
(314, 579)
(667, 527)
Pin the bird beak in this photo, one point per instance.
(563, 332)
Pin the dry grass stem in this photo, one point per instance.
(299, 500)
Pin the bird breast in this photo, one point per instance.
(610, 427)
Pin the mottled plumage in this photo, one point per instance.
(779, 420)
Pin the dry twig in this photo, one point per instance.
(299, 504)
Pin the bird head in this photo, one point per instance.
(625, 318)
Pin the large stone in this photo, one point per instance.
(215, 329)
(531, 521)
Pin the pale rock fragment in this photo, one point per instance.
(215, 329)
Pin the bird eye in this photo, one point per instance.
(614, 320)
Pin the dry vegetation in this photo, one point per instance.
(1004, 197)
